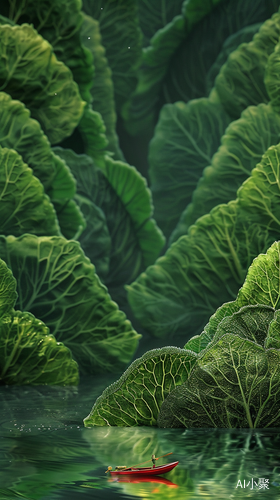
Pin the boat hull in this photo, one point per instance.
(145, 471)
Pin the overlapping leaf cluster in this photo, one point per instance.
(76, 216)
(208, 264)
(230, 372)
(57, 85)
(28, 353)
(182, 157)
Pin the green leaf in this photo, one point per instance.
(207, 266)
(240, 82)
(59, 22)
(235, 383)
(24, 205)
(250, 322)
(121, 38)
(176, 64)
(102, 91)
(273, 337)
(92, 130)
(29, 355)
(58, 284)
(139, 112)
(93, 190)
(30, 72)
(271, 78)
(70, 218)
(96, 232)
(232, 43)
(189, 65)
(154, 16)
(8, 294)
(129, 236)
(200, 342)
(195, 10)
(261, 286)
(135, 398)
(242, 146)
(20, 132)
(131, 187)
(186, 137)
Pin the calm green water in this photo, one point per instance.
(47, 454)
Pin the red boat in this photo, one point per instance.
(146, 471)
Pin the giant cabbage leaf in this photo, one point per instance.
(135, 398)
(242, 146)
(96, 240)
(205, 44)
(244, 69)
(154, 16)
(30, 355)
(139, 112)
(30, 72)
(128, 237)
(176, 64)
(24, 134)
(186, 137)
(251, 322)
(244, 35)
(70, 217)
(240, 82)
(121, 37)
(232, 375)
(261, 286)
(58, 284)
(219, 387)
(131, 187)
(8, 294)
(59, 22)
(24, 206)
(271, 78)
(208, 265)
(102, 90)
(93, 138)
(235, 383)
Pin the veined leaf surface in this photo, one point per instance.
(135, 399)
(58, 284)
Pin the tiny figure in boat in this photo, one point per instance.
(118, 467)
(154, 460)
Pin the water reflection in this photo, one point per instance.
(211, 462)
(46, 454)
(143, 479)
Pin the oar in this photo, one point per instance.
(141, 463)
(165, 455)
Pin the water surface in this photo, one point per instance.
(47, 454)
